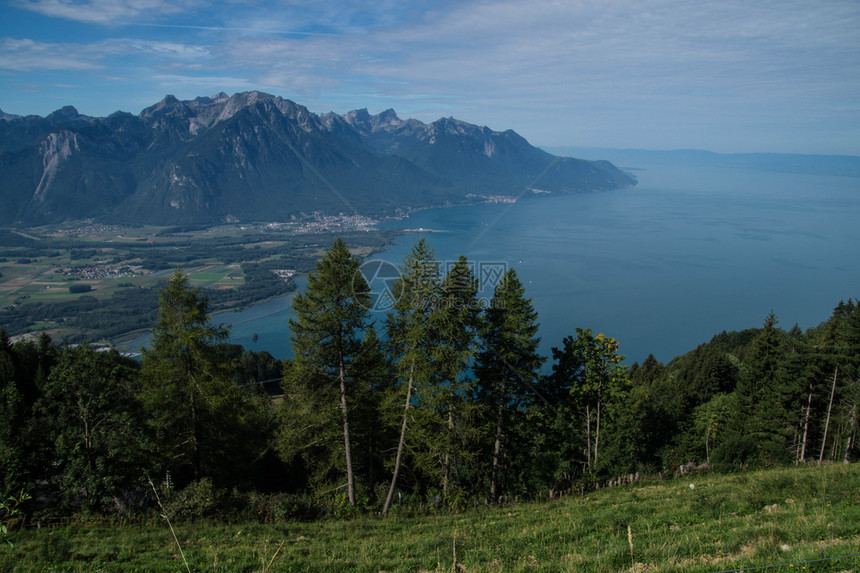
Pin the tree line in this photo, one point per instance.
(444, 402)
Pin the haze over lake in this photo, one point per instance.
(662, 267)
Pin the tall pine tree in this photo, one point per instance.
(762, 396)
(411, 340)
(449, 420)
(507, 366)
(204, 425)
(330, 317)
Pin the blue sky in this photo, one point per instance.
(728, 76)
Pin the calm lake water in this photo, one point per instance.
(661, 267)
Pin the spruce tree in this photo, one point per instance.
(330, 316)
(13, 420)
(204, 425)
(448, 420)
(374, 381)
(762, 395)
(507, 365)
(410, 338)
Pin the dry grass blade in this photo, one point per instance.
(630, 541)
(267, 567)
(167, 519)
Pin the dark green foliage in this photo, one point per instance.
(411, 342)
(447, 412)
(762, 395)
(203, 424)
(372, 437)
(330, 316)
(507, 368)
(589, 369)
(260, 372)
(89, 409)
(12, 418)
(735, 452)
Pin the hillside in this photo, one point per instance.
(254, 156)
(805, 519)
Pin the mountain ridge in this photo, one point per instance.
(255, 156)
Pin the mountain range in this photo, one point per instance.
(257, 157)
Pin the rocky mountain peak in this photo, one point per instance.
(387, 118)
(170, 105)
(255, 156)
(453, 126)
(65, 113)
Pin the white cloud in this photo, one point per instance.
(28, 55)
(637, 65)
(174, 51)
(174, 83)
(584, 48)
(100, 11)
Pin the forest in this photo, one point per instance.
(443, 405)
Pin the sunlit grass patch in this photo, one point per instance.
(725, 522)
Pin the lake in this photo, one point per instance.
(662, 267)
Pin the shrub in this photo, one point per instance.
(199, 500)
(734, 453)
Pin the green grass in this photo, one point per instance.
(726, 522)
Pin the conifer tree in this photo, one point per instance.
(13, 419)
(449, 411)
(374, 381)
(330, 316)
(507, 364)
(762, 395)
(410, 338)
(204, 425)
(841, 350)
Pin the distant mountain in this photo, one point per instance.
(805, 164)
(253, 156)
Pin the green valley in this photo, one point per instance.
(73, 280)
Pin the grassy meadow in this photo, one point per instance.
(709, 522)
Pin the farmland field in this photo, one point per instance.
(55, 279)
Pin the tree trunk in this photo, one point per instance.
(350, 482)
(446, 475)
(588, 436)
(852, 435)
(806, 426)
(497, 448)
(401, 443)
(196, 458)
(597, 434)
(827, 423)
